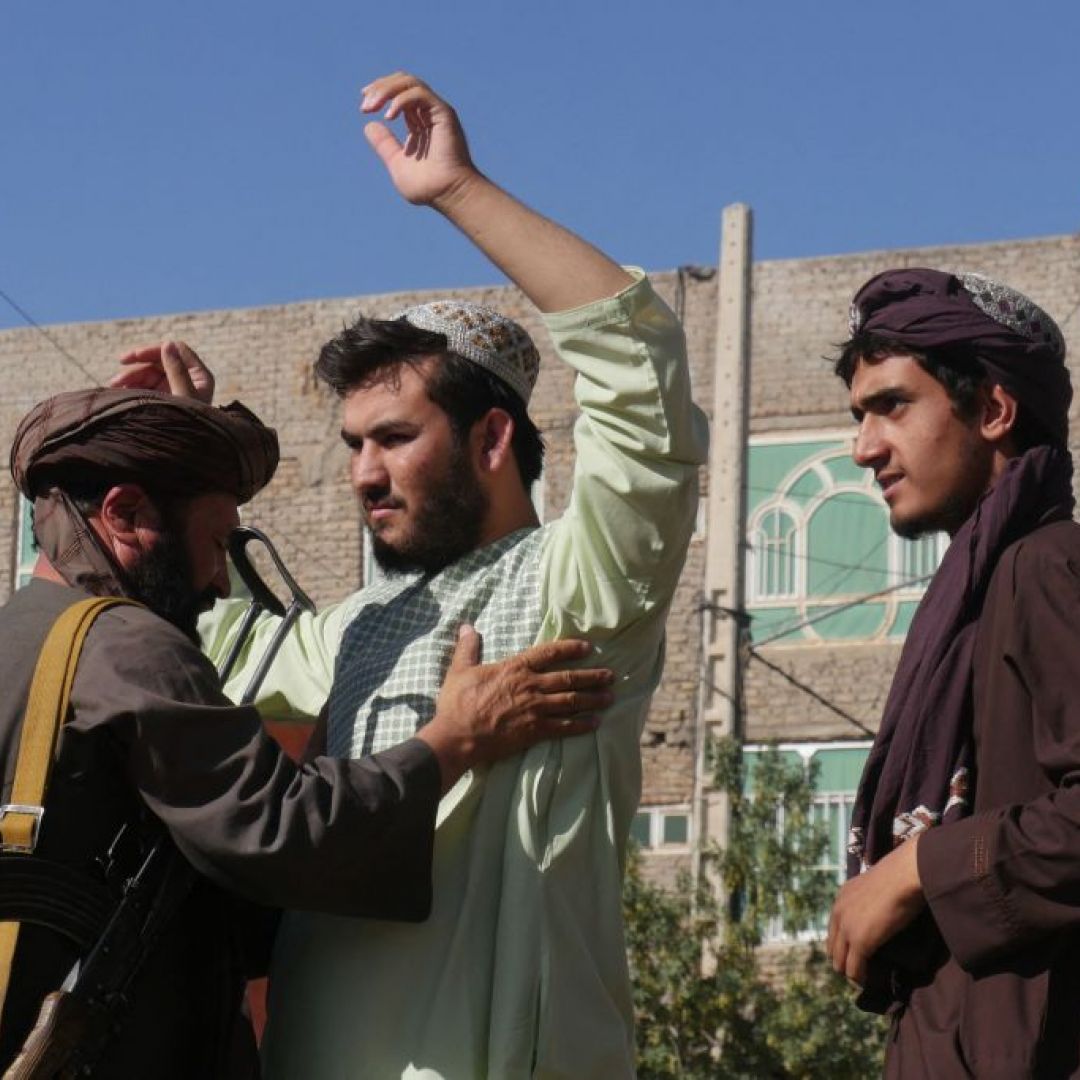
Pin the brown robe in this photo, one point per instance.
(150, 733)
(1004, 884)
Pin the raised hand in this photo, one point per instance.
(554, 268)
(171, 368)
(434, 160)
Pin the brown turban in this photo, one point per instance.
(172, 446)
(1020, 346)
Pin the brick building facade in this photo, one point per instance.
(797, 312)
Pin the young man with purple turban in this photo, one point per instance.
(961, 916)
(135, 494)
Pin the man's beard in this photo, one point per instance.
(948, 517)
(161, 579)
(445, 526)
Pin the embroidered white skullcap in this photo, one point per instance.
(484, 336)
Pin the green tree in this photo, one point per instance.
(729, 1017)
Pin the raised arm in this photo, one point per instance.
(554, 268)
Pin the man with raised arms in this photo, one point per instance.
(521, 969)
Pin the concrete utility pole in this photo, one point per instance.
(720, 708)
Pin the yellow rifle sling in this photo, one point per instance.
(46, 709)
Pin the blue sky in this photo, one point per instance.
(163, 158)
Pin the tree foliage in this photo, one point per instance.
(731, 1016)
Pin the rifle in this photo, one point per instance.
(77, 1021)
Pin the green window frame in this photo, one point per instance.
(662, 829)
(839, 768)
(822, 563)
(26, 549)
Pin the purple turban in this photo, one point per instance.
(1020, 346)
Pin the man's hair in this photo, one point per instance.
(372, 351)
(87, 486)
(958, 369)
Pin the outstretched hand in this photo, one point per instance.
(486, 712)
(170, 368)
(434, 160)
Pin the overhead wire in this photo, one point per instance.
(865, 568)
(841, 497)
(810, 692)
(12, 303)
(858, 601)
(24, 314)
(337, 575)
(799, 622)
(752, 650)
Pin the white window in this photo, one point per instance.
(839, 768)
(26, 551)
(822, 563)
(774, 556)
(916, 559)
(662, 828)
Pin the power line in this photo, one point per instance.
(752, 653)
(864, 568)
(909, 583)
(790, 628)
(716, 690)
(810, 692)
(48, 337)
(833, 578)
(336, 575)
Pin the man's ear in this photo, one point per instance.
(492, 437)
(125, 510)
(999, 414)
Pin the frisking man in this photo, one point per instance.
(135, 493)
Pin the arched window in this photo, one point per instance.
(917, 559)
(822, 563)
(773, 556)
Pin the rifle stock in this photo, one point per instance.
(64, 1024)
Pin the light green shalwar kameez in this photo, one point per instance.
(521, 969)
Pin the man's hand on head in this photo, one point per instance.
(486, 712)
(172, 367)
(872, 908)
(434, 162)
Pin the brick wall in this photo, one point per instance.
(263, 356)
(799, 313)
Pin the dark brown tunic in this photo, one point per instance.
(1004, 884)
(151, 732)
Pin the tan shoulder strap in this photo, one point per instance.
(46, 708)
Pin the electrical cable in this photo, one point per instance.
(48, 337)
(810, 692)
(821, 616)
